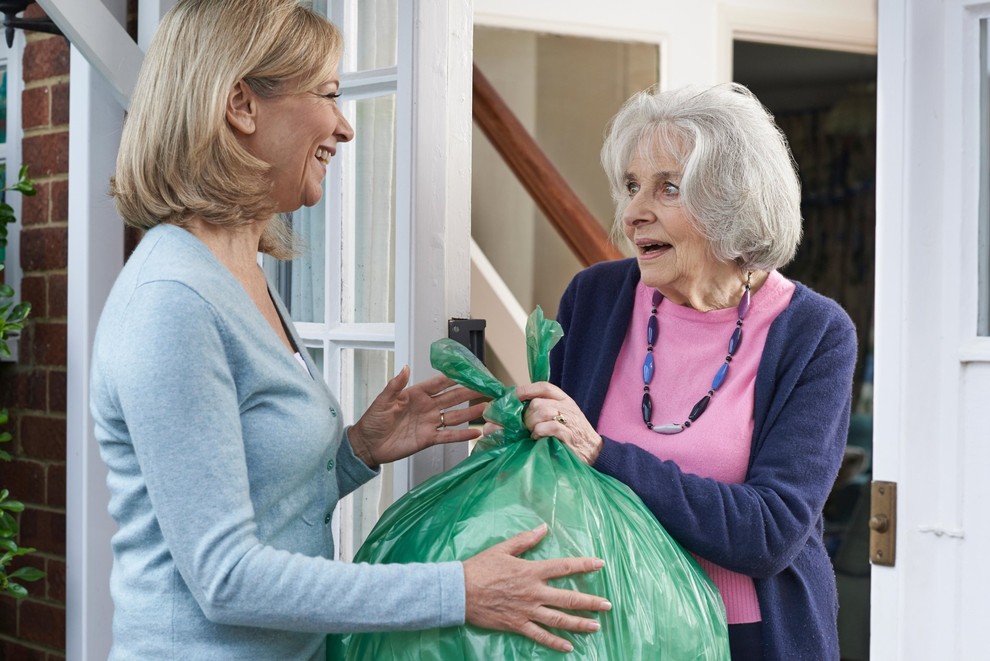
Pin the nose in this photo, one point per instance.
(344, 131)
(637, 211)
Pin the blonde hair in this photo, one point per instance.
(178, 156)
(739, 183)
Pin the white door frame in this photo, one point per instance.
(932, 369)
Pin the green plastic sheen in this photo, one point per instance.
(663, 605)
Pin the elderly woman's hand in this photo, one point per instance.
(402, 421)
(506, 593)
(552, 412)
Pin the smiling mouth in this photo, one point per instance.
(323, 156)
(647, 249)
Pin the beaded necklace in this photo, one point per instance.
(652, 330)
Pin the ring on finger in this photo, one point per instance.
(560, 418)
(443, 424)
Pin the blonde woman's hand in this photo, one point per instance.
(404, 420)
(506, 593)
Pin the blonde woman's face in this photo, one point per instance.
(298, 134)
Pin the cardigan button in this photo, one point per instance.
(330, 465)
(327, 518)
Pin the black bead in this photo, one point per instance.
(699, 408)
(647, 408)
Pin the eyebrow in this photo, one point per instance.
(663, 175)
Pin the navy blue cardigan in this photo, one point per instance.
(770, 526)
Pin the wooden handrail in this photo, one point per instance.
(544, 183)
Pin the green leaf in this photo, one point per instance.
(8, 544)
(3, 494)
(27, 574)
(4, 455)
(5, 436)
(12, 505)
(17, 590)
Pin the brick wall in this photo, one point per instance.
(34, 389)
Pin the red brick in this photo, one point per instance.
(14, 651)
(55, 580)
(44, 248)
(45, 58)
(46, 154)
(34, 289)
(36, 107)
(60, 104)
(56, 391)
(28, 389)
(58, 291)
(35, 208)
(43, 624)
(56, 486)
(8, 616)
(60, 201)
(42, 438)
(55, 657)
(50, 343)
(25, 479)
(43, 530)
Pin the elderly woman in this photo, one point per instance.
(225, 450)
(697, 374)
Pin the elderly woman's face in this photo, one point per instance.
(298, 134)
(673, 256)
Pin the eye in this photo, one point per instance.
(632, 188)
(333, 96)
(668, 189)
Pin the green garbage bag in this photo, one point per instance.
(663, 605)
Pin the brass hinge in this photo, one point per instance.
(883, 523)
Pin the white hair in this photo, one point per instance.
(739, 183)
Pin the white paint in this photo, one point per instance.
(433, 195)
(696, 36)
(15, 134)
(932, 372)
(96, 246)
(505, 329)
(92, 28)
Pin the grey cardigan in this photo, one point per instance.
(226, 461)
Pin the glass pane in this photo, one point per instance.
(367, 279)
(365, 373)
(316, 353)
(3, 104)
(377, 34)
(983, 310)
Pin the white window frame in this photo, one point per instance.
(10, 154)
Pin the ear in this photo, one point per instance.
(242, 108)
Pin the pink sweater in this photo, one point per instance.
(690, 348)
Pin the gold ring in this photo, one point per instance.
(560, 418)
(442, 424)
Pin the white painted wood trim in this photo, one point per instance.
(96, 246)
(92, 28)
(789, 29)
(15, 135)
(505, 328)
(433, 213)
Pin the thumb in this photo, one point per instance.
(396, 384)
(524, 541)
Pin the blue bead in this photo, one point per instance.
(648, 368)
(735, 340)
(657, 297)
(720, 376)
(652, 329)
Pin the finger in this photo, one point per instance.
(455, 396)
(457, 435)
(542, 389)
(396, 384)
(556, 619)
(524, 541)
(490, 428)
(547, 429)
(454, 417)
(574, 601)
(560, 567)
(437, 384)
(545, 638)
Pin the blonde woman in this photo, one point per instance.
(226, 451)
